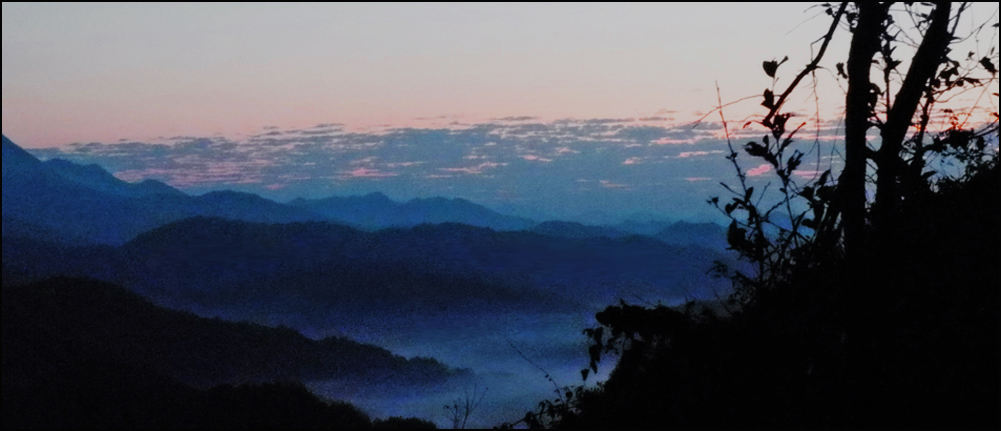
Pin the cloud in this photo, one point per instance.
(534, 158)
(515, 119)
(474, 170)
(687, 154)
(366, 161)
(808, 174)
(366, 173)
(606, 121)
(762, 169)
(610, 185)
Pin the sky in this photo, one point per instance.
(545, 109)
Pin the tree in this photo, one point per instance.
(849, 318)
(462, 408)
(838, 215)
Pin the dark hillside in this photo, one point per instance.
(106, 321)
(80, 354)
(911, 340)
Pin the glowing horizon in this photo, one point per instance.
(101, 73)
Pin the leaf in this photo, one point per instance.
(794, 161)
(770, 67)
(584, 373)
(755, 149)
(823, 177)
(769, 101)
(986, 62)
(736, 236)
(747, 195)
(841, 70)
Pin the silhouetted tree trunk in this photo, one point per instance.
(925, 63)
(859, 106)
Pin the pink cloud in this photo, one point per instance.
(808, 174)
(474, 170)
(534, 158)
(760, 170)
(675, 141)
(368, 173)
(695, 179)
(633, 161)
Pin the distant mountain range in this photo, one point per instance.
(80, 204)
(364, 265)
(376, 211)
(316, 270)
(225, 248)
(87, 203)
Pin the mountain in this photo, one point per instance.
(96, 178)
(565, 229)
(17, 161)
(33, 192)
(78, 353)
(314, 271)
(642, 227)
(376, 211)
(323, 270)
(304, 274)
(74, 203)
(249, 207)
(112, 322)
(684, 233)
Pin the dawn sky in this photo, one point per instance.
(458, 100)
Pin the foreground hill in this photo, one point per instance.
(109, 321)
(83, 353)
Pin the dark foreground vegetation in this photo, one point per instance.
(907, 339)
(861, 311)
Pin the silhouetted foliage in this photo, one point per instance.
(878, 315)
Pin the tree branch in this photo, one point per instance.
(810, 67)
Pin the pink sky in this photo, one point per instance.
(105, 72)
